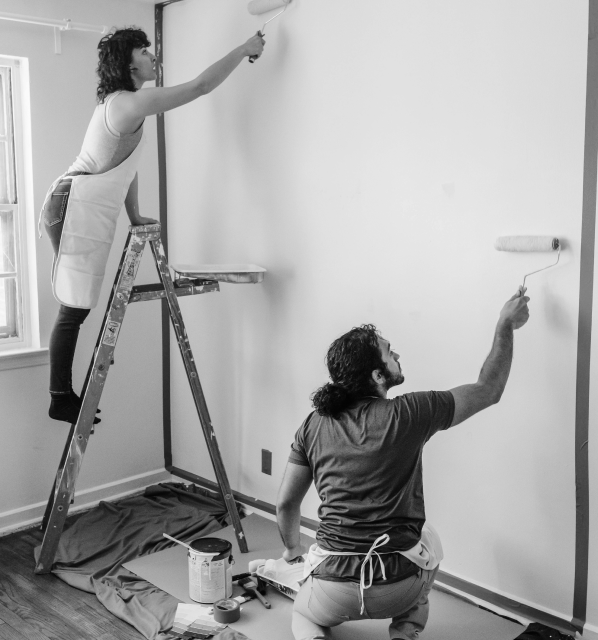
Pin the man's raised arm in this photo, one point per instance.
(471, 398)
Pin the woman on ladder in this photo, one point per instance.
(82, 206)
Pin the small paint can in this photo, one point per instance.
(210, 570)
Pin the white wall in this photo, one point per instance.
(369, 160)
(128, 442)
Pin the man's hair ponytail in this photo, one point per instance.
(350, 361)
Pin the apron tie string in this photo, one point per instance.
(369, 561)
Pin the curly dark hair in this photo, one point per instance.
(115, 51)
(350, 361)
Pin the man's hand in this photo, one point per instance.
(254, 46)
(294, 555)
(515, 312)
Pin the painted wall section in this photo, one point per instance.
(128, 442)
(368, 161)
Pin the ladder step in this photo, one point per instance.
(233, 273)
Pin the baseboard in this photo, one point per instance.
(252, 503)
(31, 515)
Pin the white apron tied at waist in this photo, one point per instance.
(94, 204)
(426, 554)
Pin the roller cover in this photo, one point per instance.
(255, 7)
(526, 243)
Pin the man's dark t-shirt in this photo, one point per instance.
(367, 469)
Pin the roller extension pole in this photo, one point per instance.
(530, 244)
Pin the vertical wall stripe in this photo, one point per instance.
(166, 423)
(584, 339)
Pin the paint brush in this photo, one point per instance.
(249, 585)
(183, 544)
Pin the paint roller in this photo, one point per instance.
(528, 244)
(257, 7)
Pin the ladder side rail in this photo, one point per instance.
(108, 306)
(52, 497)
(196, 389)
(94, 385)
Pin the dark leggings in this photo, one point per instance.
(63, 340)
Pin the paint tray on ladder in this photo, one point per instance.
(233, 273)
(287, 577)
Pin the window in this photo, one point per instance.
(16, 302)
(10, 325)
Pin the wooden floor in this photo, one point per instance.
(42, 607)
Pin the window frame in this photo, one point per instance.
(26, 307)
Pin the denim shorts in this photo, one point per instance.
(56, 208)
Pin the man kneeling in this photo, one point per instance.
(375, 555)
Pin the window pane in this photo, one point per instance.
(4, 174)
(7, 242)
(3, 74)
(8, 308)
(3, 321)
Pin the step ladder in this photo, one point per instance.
(188, 281)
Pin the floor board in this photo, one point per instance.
(43, 607)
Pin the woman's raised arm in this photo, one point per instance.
(128, 110)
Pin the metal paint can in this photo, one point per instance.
(210, 570)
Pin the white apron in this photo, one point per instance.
(426, 554)
(90, 220)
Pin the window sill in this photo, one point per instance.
(19, 358)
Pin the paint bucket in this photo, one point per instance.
(210, 570)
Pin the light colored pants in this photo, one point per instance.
(321, 604)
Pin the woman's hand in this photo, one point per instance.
(254, 46)
(140, 220)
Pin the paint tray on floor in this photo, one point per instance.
(287, 577)
(233, 273)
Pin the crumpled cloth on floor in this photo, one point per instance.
(93, 548)
(537, 631)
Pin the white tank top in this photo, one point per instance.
(104, 148)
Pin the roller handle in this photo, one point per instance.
(252, 59)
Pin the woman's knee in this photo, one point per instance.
(73, 314)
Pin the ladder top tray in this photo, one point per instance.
(234, 273)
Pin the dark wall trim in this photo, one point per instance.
(505, 603)
(163, 202)
(239, 497)
(584, 339)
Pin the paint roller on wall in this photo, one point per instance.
(529, 244)
(258, 7)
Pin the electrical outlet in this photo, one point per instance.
(267, 462)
